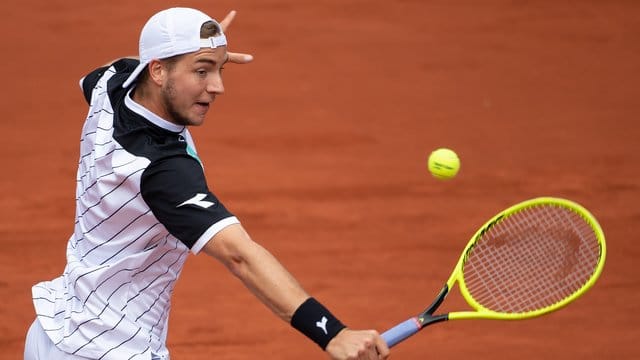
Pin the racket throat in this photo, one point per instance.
(427, 317)
(438, 301)
(425, 320)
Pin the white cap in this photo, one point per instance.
(172, 32)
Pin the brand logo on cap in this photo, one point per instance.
(214, 41)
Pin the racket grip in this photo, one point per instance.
(401, 331)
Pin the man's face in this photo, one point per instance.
(191, 85)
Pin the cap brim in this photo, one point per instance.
(134, 75)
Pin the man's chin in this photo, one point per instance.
(195, 121)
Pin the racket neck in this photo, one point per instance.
(438, 300)
(425, 320)
(426, 317)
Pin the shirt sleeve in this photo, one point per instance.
(88, 82)
(124, 66)
(176, 191)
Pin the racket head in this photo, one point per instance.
(531, 259)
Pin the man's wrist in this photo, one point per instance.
(316, 322)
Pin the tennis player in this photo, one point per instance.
(143, 204)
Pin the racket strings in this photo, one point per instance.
(531, 259)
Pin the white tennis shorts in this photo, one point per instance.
(38, 346)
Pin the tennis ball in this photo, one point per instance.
(443, 164)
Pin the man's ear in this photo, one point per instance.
(157, 72)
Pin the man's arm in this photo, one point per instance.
(270, 282)
(258, 270)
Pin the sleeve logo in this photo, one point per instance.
(198, 200)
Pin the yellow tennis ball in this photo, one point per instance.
(443, 163)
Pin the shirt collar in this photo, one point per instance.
(153, 118)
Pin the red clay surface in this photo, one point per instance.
(320, 147)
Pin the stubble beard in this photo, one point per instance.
(168, 97)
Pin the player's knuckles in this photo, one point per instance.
(357, 354)
(367, 351)
(352, 356)
(361, 354)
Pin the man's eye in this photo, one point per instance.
(201, 72)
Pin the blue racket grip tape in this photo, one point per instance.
(401, 331)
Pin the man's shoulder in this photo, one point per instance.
(114, 74)
(123, 68)
(125, 65)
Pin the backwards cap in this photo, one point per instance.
(172, 32)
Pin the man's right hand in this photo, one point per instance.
(357, 345)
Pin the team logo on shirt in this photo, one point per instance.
(198, 200)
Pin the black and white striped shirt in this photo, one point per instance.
(142, 203)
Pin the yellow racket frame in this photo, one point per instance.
(484, 313)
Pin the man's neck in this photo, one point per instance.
(144, 107)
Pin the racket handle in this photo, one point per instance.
(401, 331)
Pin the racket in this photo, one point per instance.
(529, 260)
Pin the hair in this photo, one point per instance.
(210, 29)
(207, 30)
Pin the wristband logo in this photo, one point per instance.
(322, 324)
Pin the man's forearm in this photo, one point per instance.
(259, 270)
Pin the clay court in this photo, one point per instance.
(320, 145)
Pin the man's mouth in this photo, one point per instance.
(204, 105)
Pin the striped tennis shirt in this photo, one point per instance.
(142, 202)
